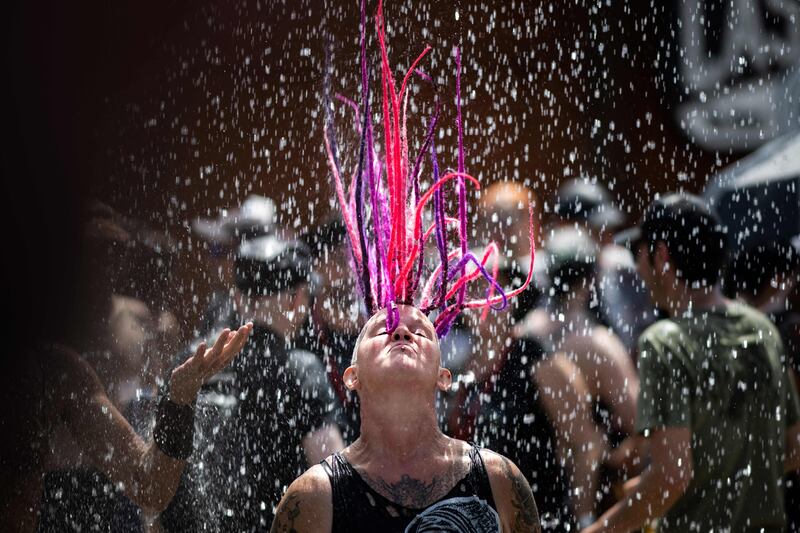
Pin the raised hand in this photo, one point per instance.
(187, 379)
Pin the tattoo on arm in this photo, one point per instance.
(287, 513)
(526, 516)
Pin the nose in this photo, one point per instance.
(401, 333)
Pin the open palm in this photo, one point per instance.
(187, 379)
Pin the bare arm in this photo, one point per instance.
(149, 477)
(512, 495)
(609, 373)
(322, 442)
(658, 488)
(565, 397)
(306, 506)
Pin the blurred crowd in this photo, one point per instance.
(553, 382)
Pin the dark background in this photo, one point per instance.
(167, 110)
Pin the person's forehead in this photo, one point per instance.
(406, 311)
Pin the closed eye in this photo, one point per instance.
(421, 333)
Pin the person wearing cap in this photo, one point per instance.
(220, 238)
(334, 318)
(573, 339)
(273, 413)
(716, 406)
(622, 304)
(587, 201)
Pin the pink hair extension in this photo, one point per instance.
(383, 207)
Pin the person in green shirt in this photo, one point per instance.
(716, 407)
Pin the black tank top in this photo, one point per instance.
(468, 507)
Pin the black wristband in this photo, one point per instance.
(174, 431)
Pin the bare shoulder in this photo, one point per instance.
(536, 324)
(608, 341)
(306, 506)
(512, 494)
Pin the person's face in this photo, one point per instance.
(409, 356)
(284, 312)
(655, 272)
(337, 299)
(221, 257)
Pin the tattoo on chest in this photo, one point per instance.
(415, 493)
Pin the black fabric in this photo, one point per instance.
(788, 323)
(335, 350)
(469, 506)
(83, 499)
(251, 422)
(511, 421)
(174, 431)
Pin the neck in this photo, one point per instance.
(768, 300)
(696, 299)
(398, 429)
(573, 305)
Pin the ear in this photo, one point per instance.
(350, 378)
(785, 282)
(661, 259)
(238, 299)
(444, 380)
(304, 293)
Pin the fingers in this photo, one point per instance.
(234, 345)
(195, 359)
(215, 350)
(199, 353)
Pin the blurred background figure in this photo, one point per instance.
(221, 237)
(765, 276)
(716, 403)
(502, 217)
(335, 319)
(273, 413)
(586, 202)
(132, 331)
(565, 324)
(622, 302)
(80, 456)
(499, 400)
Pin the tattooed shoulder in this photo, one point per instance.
(306, 506)
(287, 514)
(526, 516)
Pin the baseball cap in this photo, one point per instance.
(587, 200)
(256, 216)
